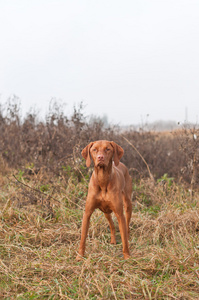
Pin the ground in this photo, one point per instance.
(40, 220)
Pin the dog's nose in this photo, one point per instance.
(100, 157)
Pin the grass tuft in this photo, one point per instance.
(40, 231)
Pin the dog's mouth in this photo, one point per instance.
(101, 163)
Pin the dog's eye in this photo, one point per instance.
(94, 149)
(107, 149)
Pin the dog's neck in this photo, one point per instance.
(102, 175)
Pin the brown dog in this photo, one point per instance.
(110, 187)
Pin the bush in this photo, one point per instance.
(53, 143)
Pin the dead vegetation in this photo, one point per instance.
(43, 187)
(30, 144)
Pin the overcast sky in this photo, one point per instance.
(124, 59)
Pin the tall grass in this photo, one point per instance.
(40, 233)
(43, 188)
(51, 144)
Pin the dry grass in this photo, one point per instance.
(41, 209)
(40, 223)
(48, 144)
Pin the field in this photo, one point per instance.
(43, 188)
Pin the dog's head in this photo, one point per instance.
(102, 153)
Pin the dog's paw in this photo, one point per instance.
(113, 241)
(126, 256)
(79, 257)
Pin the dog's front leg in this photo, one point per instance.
(124, 234)
(85, 225)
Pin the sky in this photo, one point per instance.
(126, 59)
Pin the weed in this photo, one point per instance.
(37, 258)
(41, 210)
(165, 179)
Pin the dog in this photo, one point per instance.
(110, 190)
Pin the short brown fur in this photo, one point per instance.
(110, 189)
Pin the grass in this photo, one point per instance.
(40, 222)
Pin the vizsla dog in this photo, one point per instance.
(109, 189)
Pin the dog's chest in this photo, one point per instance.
(104, 202)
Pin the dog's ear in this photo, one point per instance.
(118, 153)
(86, 154)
